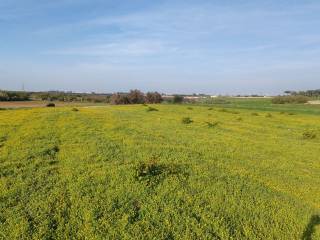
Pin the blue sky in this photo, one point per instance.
(216, 47)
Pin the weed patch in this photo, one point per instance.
(309, 135)
(254, 114)
(2, 141)
(186, 120)
(212, 124)
(75, 110)
(152, 173)
(152, 109)
(50, 105)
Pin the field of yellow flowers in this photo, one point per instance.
(159, 172)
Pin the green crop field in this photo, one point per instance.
(237, 171)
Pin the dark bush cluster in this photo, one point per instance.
(50, 105)
(298, 99)
(152, 109)
(153, 172)
(186, 120)
(136, 97)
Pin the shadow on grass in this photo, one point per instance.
(310, 228)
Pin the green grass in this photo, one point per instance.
(264, 104)
(121, 172)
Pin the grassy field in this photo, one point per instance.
(238, 171)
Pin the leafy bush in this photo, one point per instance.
(186, 120)
(177, 99)
(153, 97)
(75, 109)
(290, 99)
(136, 97)
(189, 108)
(151, 109)
(118, 98)
(152, 172)
(50, 105)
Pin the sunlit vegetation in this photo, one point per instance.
(124, 172)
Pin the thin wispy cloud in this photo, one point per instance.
(217, 41)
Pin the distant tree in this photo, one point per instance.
(118, 98)
(153, 97)
(178, 99)
(136, 97)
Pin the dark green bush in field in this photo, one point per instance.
(212, 124)
(50, 105)
(152, 172)
(210, 108)
(186, 120)
(254, 114)
(75, 109)
(189, 108)
(177, 99)
(290, 99)
(309, 135)
(152, 109)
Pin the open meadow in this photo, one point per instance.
(240, 170)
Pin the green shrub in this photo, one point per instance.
(50, 105)
(186, 120)
(75, 109)
(152, 172)
(151, 109)
(153, 97)
(177, 99)
(189, 108)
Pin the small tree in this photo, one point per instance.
(118, 98)
(153, 97)
(136, 97)
(178, 99)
